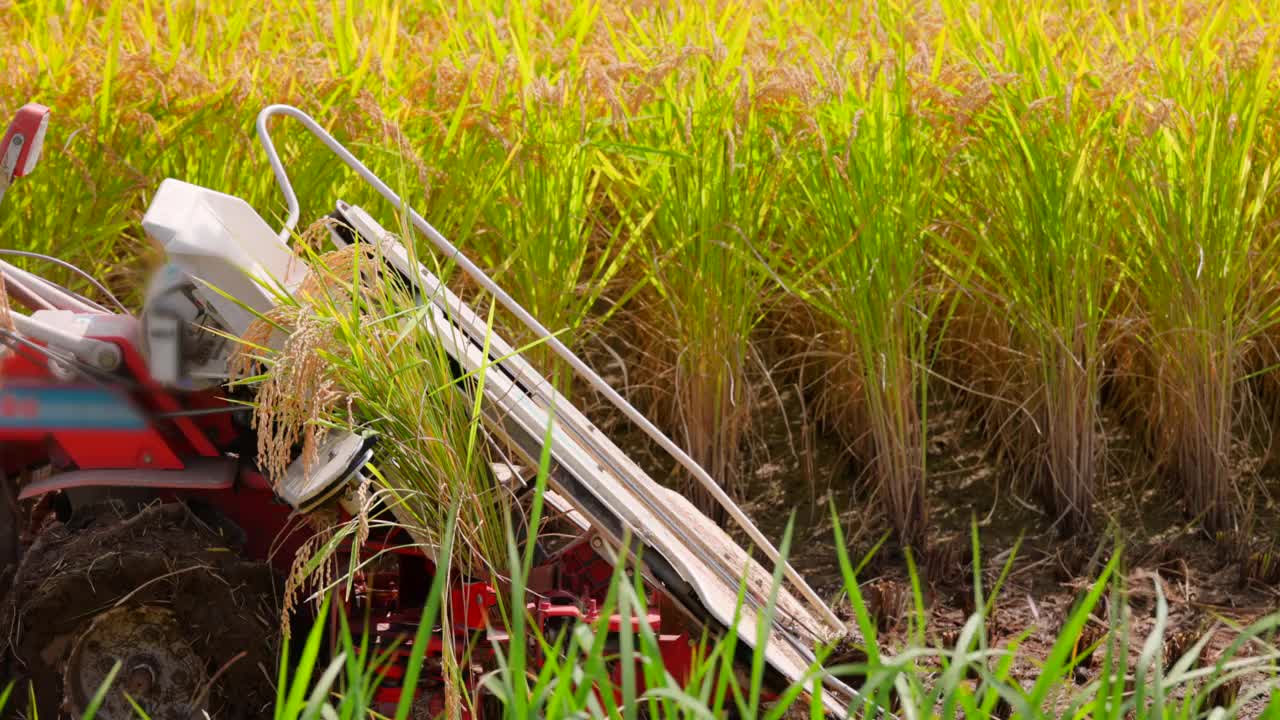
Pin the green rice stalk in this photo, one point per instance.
(1034, 193)
(554, 241)
(1203, 267)
(712, 204)
(858, 256)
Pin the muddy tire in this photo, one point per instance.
(161, 591)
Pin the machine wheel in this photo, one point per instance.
(158, 668)
(192, 625)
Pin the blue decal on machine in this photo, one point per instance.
(67, 408)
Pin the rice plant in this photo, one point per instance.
(711, 203)
(858, 255)
(554, 239)
(1201, 264)
(1034, 192)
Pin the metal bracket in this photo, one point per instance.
(217, 473)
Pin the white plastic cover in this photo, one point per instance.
(220, 241)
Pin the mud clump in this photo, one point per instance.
(164, 556)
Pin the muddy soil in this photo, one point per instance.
(166, 557)
(796, 473)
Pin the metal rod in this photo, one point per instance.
(68, 266)
(97, 353)
(55, 297)
(26, 296)
(584, 370)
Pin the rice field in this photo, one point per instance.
(1004, 266)
(1056, 219)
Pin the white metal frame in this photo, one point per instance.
(453, 254)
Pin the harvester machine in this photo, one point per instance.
(141, 534)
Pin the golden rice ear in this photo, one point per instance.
(314, 236)
(246, 357)
(298, 388)
(363, 501)
(296, 392)
(323, 523)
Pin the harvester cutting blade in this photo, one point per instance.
(306, 486)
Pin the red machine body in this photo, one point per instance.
(182, 447)
(20, 149)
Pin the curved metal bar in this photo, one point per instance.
(16, 287)
(68, 266)
(51, 296)
(560, 349)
